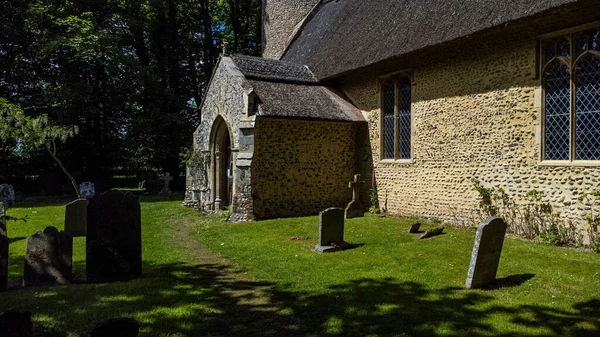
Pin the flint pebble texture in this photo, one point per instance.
(476, 113)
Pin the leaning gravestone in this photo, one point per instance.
(486, 252)
(48, 258)
(414, 228)
(121, 327)
(7, 194)
(114, 237)
(76, 218)
(3, 250)
(331, 231)
(87, 190)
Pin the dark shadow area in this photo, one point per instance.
(510, 281)
(215, 300)
(17, 239)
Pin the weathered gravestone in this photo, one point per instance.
(48, 258)
(7, 194)
(122, 327)
(167, 180)
(355, 208)
(486, 252)
(3, 250)
(16, 324)
(87, 190)
(331, 231)
(114, 237)
(414, 228)
(76, 218)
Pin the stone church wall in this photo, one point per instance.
(476, 114)
(280, 17)
(301, 167)
(226, 99)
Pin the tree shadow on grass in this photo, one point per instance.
(215, 300)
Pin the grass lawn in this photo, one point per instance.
(205, 277)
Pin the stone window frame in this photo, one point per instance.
(382, 81)
(571, 63)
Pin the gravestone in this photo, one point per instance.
(432, 232)
(114, 237)
(7, 194)
(87, 190)
(48, 258)
(16, 324)
(331, 231)
(355, 208)
(3, 250)
(486, 252)
(122, 327)
(76, 218)
(167, 179)
(414, 228)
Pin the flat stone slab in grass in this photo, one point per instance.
(432, 232)
(331, 231)
(487, 249)
(48, 258)
(114, 237)
(76, 218)
(414, 228)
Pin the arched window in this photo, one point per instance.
(572, 97)
(396, 118)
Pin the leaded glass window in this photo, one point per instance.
(396, 119)
(389, 99)
(572, 97)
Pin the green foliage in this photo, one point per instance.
(531, 218)
(30, 133)
(374, 200)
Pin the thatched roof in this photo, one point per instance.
(286, 100)
(273, 70)
(350, 34)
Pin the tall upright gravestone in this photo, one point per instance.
(487, 248)
(114, 237)
(3, 250)
(76, 218)
(48, 258)
(331, 231)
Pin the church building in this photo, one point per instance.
(419, 97)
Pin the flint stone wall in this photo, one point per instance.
(227, 98)
(302, 167)
(280, 17)
(476, 114)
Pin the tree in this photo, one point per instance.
(31, 133)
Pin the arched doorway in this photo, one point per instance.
(222, 164)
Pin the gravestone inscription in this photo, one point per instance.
(76, 218)
(3, 250)
(355, 208)
(331, 230)
(48, 258)
(114, 237)
(487, 248)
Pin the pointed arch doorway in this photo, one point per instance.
(222, 165)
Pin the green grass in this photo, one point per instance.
(262, 279)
